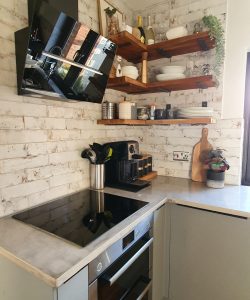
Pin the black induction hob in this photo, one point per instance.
(81, 217)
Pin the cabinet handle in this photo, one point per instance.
(147, 285)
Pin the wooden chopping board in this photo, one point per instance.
(200, 152)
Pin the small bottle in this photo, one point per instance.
(150, 33)
(169, 112)
(140, 27)
(119, 68)
(152, 112)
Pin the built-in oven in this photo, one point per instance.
(123, 271)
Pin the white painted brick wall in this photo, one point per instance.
(226, 134)
(41, 140)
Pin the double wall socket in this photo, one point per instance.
(181, 155)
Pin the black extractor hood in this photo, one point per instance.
(60, 58)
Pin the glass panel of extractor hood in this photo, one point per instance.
(65, 59)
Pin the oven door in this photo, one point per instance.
(128, 278)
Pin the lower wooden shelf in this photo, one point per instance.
(194, 121)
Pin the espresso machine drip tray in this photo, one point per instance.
(134, 186)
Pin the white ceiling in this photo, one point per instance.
(141, 4)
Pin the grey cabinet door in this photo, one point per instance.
(209, 256)
(18, 284)
(76, 288)
(161, 234)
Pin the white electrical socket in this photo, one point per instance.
(181, 155)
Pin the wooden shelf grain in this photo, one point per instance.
(131, 48)
(131, 86)
(193, 121)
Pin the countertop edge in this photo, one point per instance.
(226, 211)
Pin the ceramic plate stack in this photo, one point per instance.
(171, 73)
(195, 112)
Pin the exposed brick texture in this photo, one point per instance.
(41, 140)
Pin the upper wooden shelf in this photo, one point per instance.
(131, 48)
(131, 86)
(193, 121)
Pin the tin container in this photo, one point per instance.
(108, 110)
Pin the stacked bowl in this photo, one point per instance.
(130, 71)
(171, 73)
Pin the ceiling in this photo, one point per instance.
(141, 4)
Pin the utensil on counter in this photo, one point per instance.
(200, 154)
(90, 155)
(97, 154)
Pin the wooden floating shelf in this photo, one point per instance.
(127, 85)
(131, 48)
(131, 86)
(194, 121)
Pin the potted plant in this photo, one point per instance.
(216, 166)
(216, 32)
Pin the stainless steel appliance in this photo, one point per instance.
(81, 217)
(123, 169)
(122, 272)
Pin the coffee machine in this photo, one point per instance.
(122, 171)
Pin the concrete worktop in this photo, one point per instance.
(55, 260)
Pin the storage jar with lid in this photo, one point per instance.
(126, 110)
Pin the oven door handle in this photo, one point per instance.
(112, 279)
(144, 292)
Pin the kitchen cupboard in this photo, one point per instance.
(18, 284)
(209, 255)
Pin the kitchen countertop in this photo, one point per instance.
(55, 260)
